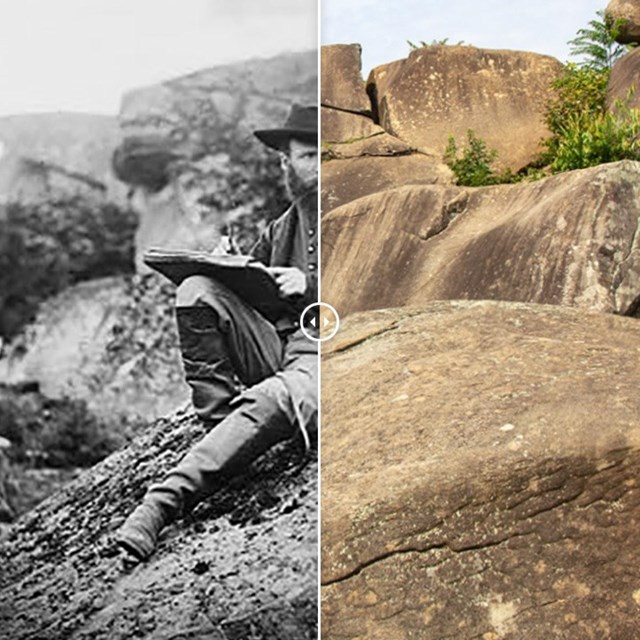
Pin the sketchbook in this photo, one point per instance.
(244, 275)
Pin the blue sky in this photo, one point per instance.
(81, 55)
(383, 27)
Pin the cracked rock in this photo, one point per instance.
(438, 522)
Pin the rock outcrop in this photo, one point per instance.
(570, 239)
(444, 90)
(243, 566)
(624, 81)
(356, 152)
(58, 155)
(189, 152)
(73, 350)
(625, 14)
(480, 467)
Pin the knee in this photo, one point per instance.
(194, 291)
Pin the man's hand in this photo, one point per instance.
(290, 280)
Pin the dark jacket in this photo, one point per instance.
(292, 241)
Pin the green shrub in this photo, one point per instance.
(587, 140)
(45, 247)
(474, 167)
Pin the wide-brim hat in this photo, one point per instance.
(301, 124)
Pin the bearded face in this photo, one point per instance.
(300, 167)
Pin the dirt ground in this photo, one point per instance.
(242, 566)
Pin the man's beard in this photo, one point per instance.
(297, 190)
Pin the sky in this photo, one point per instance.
(82, 55)
(383, 27)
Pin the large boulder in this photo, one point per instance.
(110, 342)
(58, 155)
(346, 114)
(480, 467)
(570, 239)
(440, 91)
(243, 566)
(188, 150)
(625, 14)
(624, 81)
(344, 180)
(341, 83)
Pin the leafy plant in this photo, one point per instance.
(47, 246)
(444, 41)
(474, 167)
(597, 43)
(587, 140)
(53, 432)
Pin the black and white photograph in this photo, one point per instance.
(158, 389)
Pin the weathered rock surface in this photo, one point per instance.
(570, 239)
(341, 82)
(351, 178)
(58, 155)
(627, 13)
(480, 467)
(342, 126)
(345, 115)
(440, 91)
(69, 351)
(243, 566)
(625, 78)
(188, 147)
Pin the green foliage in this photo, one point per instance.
(53, 433)
(474, 167)
(596, 44)
(444, 41)
(587, 140)
(45, 247)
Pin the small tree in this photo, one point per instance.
(597, 45)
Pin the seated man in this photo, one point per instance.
(254, 381)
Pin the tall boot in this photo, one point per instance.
(208, 369)
(226, 451)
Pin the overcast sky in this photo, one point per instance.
(383, 27)
(81, 55)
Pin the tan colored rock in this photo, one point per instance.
(570, 239)
(381, 144)
(480, 466)
(341, 83)
(352, 178)
(344, 126)
(440, 91)
(625, 78)
(627, 15)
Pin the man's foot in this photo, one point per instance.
(139, 534)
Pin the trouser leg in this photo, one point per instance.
(226, 451)
(224, 343)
